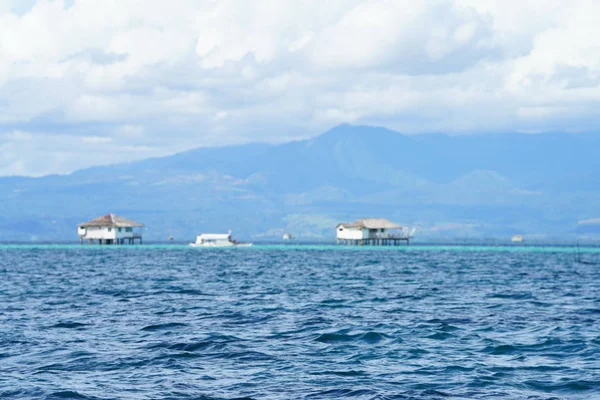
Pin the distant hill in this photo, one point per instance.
(538, 185)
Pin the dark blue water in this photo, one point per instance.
(287, 323)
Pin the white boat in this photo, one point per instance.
(517, 239)
(217, 240)
(288, 236)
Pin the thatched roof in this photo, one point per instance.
(113, 221)
(373, 223)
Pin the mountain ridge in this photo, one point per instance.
(489, 184)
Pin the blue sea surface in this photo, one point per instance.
(289, 322)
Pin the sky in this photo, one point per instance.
(94, 82)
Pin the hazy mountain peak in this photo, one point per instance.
(346, 131)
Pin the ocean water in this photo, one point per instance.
(298, 322)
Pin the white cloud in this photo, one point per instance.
(95, 139)
(130, 131)
(35, 154)
(406, 36)
(132, 78)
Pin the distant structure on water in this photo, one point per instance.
(110, 229)
(288, 236)
(217, 240)
(517, 239)
(372, 231)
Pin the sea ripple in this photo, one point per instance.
(314, 323)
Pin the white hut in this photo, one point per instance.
(371, 231)
(110, 229)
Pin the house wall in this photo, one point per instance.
(360, 234)
(352, 233)
(96, 233)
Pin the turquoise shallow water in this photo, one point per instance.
(309, 247)
(315, 322)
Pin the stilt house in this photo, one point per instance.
(371, 231)
(110, 229)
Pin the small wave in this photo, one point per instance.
(190, 292)
(440, 336)
(590, 311)
(437, 393)
(538, 303)
(22, 393)
(160, 327)
(338, 337)
(334, 303)
(458, 368)
(205, 397)
(410, 296)
(442, 327)
(501, 349)
(335, 338)
(379, 300)
(341, 373)
(372, 337)
(400, 311)
(68, 394)
(511, 296)
(189, 347)
(177, 356)
(577, 386)
(449, 321)
(51, 368)
(416, 353)
(316, 321)
(246, 356)
(338, 393)
(249, 320)
(68, 325)
(548, 345)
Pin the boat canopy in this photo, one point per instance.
(213, 236)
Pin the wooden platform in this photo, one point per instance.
(130, 240)
(373, 242)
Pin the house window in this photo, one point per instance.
(119, 229)
(110, 229)
(128, 229)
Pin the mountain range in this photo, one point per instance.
(544, 185)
